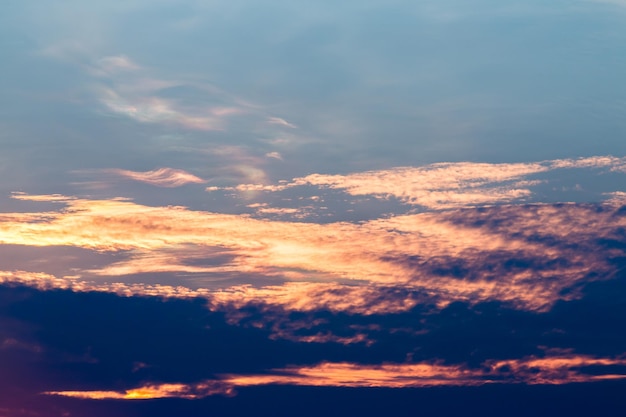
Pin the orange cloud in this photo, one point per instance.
(293, 296)
(312, 296)
(443, 185)
(531, 370)
(409, 252)
(154, 391)
(345, 374)
(550, 370)
(555, 370)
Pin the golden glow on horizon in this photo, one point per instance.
(154, 391)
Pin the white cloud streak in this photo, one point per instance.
(162, 177)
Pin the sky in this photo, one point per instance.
(279, 208)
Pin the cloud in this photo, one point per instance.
(110, 65)
(531, 370)
(154, 391)
(447, 185)
(146, 108)
(274, 155)
(587, 162)
(285, 212)
(312, 296)
(162, 177)
(280, 122)
(180, 349)
(528, 256)
(243, 165)
(617, 197)
(450, 185)
(437, 186)
(124, 87)
(550, 370)
(41, 198)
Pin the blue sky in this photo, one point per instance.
(372, 199)
(368, 84)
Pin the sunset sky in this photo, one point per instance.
(303, 208)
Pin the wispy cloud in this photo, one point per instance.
(110, 65)
(281, 122)
(162, 177)
(146, 108)
(126, 88)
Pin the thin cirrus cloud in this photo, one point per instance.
(125, 88)
(110, 65)
(162, 177)
(549, 370)
(153, 109)
(281, 122)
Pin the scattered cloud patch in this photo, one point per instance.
(274, 155)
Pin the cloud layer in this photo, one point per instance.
(406, 300)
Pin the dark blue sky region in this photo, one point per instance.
(281, 208)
